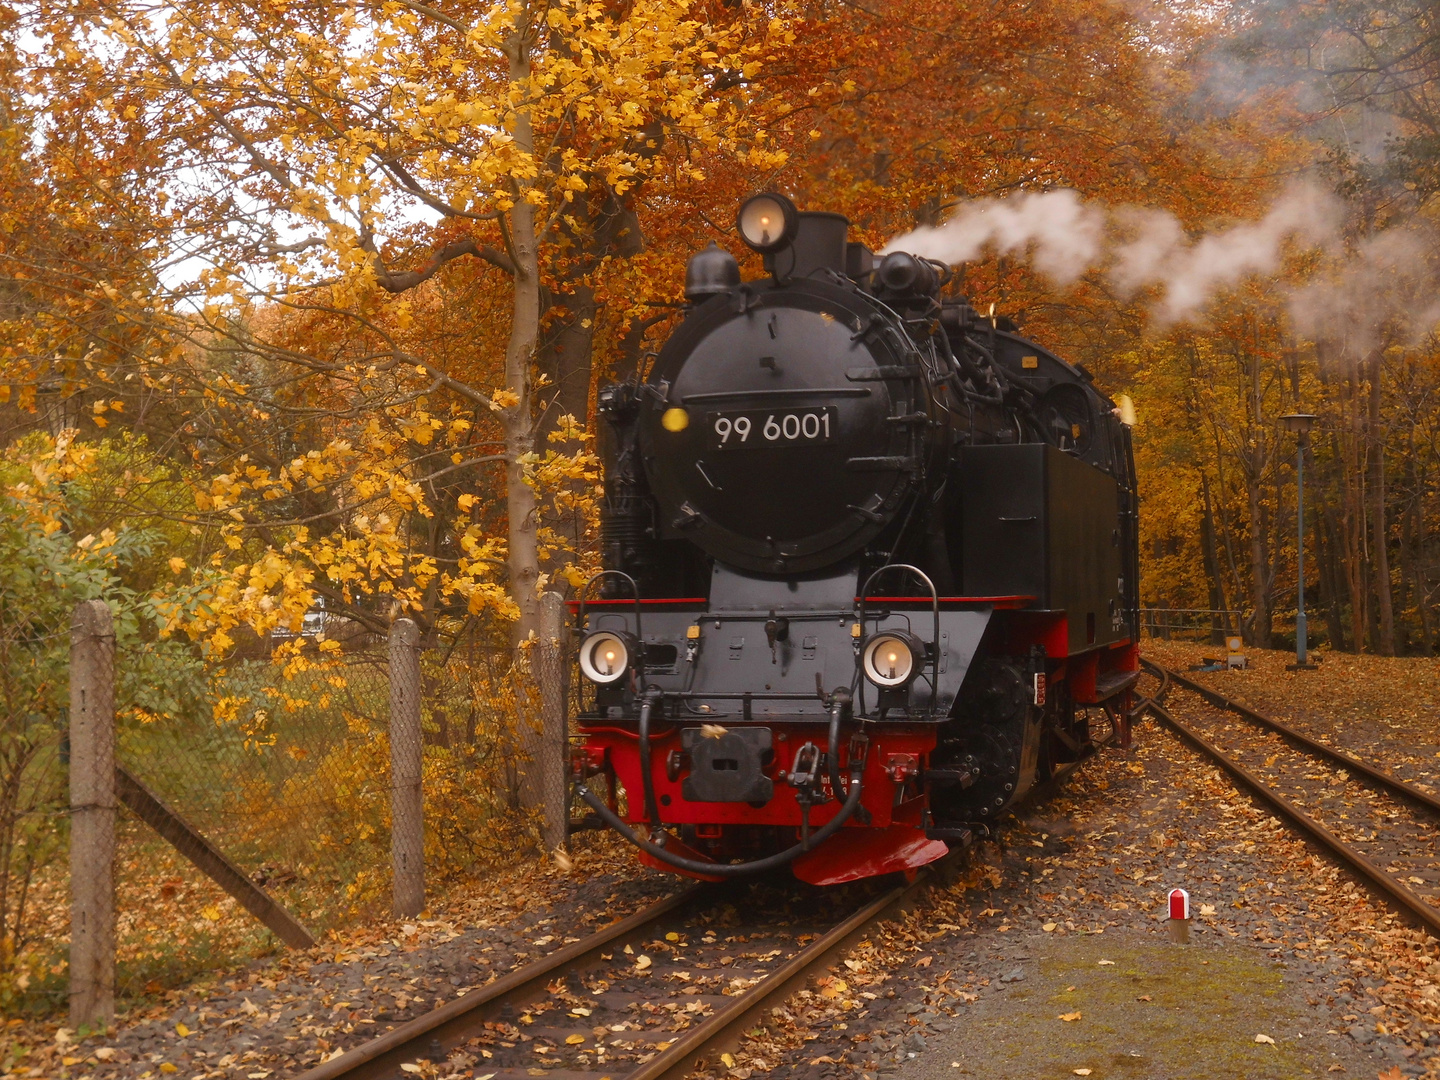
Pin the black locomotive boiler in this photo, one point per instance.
(870, 568)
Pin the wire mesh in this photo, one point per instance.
(1192, 624)
(291, 780)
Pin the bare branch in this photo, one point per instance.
(290, 249)
(398, 281)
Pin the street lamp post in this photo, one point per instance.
(1300, 424)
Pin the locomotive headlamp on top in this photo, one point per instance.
(606, 656)
(891, 659)
(768, 222)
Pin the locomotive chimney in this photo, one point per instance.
(819, 244)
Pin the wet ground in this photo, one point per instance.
(1128, 1005)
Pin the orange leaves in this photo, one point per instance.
(323, 319)
(504, 400)
(366, 550)
(48, 464)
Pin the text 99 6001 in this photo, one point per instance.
(767, 427)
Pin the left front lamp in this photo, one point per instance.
(606, 656)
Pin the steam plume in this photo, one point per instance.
(1383, 279)
(1384, 292)
(1062, 236)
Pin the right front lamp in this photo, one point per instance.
(892, 658)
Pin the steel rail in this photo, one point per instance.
(381, 1057)
(725, 1027)
(455, 1020)
(1424, 912)
(1380, 776)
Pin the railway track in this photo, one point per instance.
(643, 999)
(1386, 830)
(629, 1002)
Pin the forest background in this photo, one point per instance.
(303, 306)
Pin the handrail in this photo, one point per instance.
(639, 635)
(860, 604)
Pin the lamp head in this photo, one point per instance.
(768, 222)
(1299, 423)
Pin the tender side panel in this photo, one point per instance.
(1002, 521)
(1084, 554)
(1035, 520)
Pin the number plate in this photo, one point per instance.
(771, 427)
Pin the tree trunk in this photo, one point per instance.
(1224, 521)
(1352, 522)
(596, 225)
(1219, 624)
(565, 358)
(1331, 586)
(568, 358)
(1259, 564)
(523, 534)
(1418, 486)
(1410, 556)
(1260, 628)
(1380, 553)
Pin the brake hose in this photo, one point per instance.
(695, 866)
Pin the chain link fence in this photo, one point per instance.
(290, 778)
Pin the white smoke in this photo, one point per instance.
(1383, 283)
(1061, 235)
(1146, 242)
(1383, 292)
(1191, 273)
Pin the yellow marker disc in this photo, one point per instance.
(675, 420)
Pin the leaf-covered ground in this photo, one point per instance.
(978, 980)
(1284, 946)
(287, 1011)
(1383, 707)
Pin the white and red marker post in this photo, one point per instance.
(1180, 916)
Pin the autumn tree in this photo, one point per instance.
(1361, 79)
(78, 275)
(334, 167)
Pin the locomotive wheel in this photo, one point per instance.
(993, 719)
(1067, 734)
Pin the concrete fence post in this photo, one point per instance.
(92, 815)
(407, 800)
(550, 673)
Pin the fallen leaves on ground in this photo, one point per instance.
(292, 1001)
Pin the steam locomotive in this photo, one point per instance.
(871, 568)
